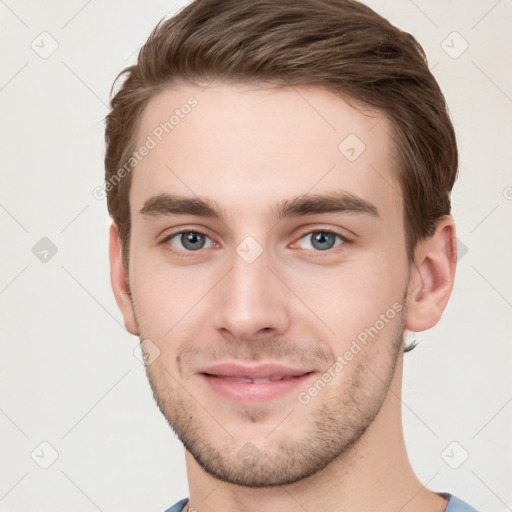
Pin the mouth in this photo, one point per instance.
(254, 383)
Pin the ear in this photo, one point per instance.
(432, 277)
(119, 281)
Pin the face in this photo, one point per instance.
(268, 274)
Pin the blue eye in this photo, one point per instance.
(322, 240)
(187, 242)
(190, 240)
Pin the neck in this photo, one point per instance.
(373, 474)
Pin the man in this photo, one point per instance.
(279, 178)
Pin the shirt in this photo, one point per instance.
(454, 504)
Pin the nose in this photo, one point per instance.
(251, 302)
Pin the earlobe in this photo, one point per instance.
(432, 277)
(119, 281)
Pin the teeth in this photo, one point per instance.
(237, 379)
(256, 381)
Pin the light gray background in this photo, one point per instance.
(69, 376)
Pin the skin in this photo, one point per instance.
(248, 148)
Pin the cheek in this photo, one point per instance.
(353, 296)
(166, 296)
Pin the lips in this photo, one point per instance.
(259, 383)
(260, 373)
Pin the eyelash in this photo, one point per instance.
(316, 253)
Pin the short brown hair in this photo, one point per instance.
(342, 46)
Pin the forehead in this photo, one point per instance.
(248, 145)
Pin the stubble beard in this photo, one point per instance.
(336, 427)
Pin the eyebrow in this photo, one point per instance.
(167, 204)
